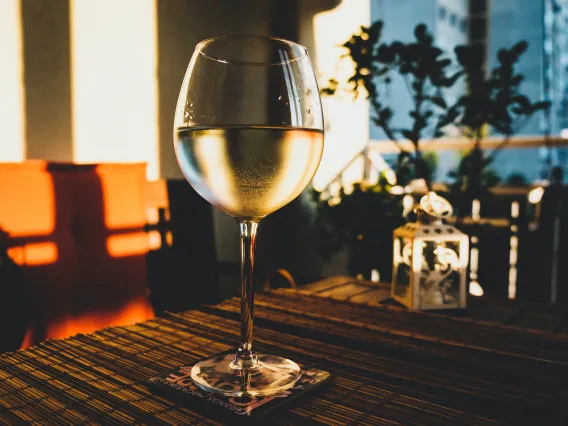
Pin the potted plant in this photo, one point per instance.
(493, 102)
(425, 71)
(362, 222)
(364, 219)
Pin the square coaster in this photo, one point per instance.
(179, 386)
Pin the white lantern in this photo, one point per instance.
(430, 259)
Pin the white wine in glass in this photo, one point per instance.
(249, 171)
(248, 137)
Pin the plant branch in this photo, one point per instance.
(520, 124)
(407, 84)
(462, 132)
(419, 99)
(391, 136)
(499, 147)
(514, 129)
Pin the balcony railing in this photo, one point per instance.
(368, 163)
(453, 144)
(513, 223)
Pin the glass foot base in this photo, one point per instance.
(273, 375)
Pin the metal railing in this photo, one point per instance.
(454, 144)
(367, 165)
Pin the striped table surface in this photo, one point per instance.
(545, 318)
(390, 366)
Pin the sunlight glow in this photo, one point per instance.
(390, 176)
(28, 207)
(475, 289)
(536, 195)
(303, 145)
(154, 240)
(114, 63)
(407, 203)
(513, 259)
(11, 82)
(136, 311)
(381, 166)
(216, 168)
(346, 120)
(123, 209)
(397, 190)
(131, 244)
(34, 254)
(476, 209)
(352, 174)
(515, 207)
(416, 185)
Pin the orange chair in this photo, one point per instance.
(77, 231)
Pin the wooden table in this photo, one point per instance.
(546, 318)
(390, 366)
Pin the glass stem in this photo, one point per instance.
(245, 357)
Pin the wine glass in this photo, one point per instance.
(248, 137)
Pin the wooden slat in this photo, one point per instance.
(345, 291)
(372, 296)
(390, 366)
(327, 284)
(551, 319)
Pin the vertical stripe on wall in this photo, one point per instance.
(113, 56)
(47, 79)
(11, 84)
(346, 120)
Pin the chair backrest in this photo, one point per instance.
(77, 231)
(182, 266)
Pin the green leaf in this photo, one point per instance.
(443, 62)
(519, 48)
(462, 54)
(420, 31)
(453, 78)
(541, 105)
(385, 114)
(523, 102)
(503, 56)
(438, 101)
(385, 54)
(407, 134)
(518, 79)
(435, 52)
(397, 47)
